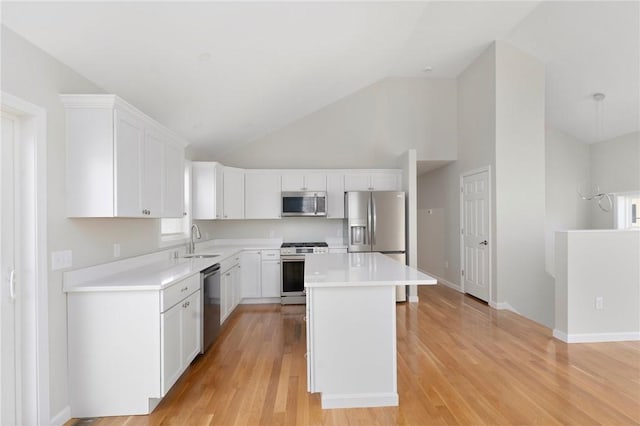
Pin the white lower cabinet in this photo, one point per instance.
(260, 275)
(270, 278)
(250, 260)
(127, 348)
(230, 287)
(180, 339)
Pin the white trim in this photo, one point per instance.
(596, 337)
(441, 280)
(503, 306)
(62, 417)
(359, 400)
(413, 299)
(260, 300)
(489, 236)
(37, 362)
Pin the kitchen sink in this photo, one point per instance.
(200, 256)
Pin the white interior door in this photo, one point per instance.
(8, 356)
(476, 214)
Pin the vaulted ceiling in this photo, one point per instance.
(220, 73)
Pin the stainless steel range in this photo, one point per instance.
(292, 273)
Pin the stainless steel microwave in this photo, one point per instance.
(304, 203)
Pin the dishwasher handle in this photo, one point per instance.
(215, 269)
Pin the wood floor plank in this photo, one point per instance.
(459, 362)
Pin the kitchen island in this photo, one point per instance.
(351, 327)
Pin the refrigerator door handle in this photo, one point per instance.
(368, 233)
(372, 213)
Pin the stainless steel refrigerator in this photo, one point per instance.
(376, 223)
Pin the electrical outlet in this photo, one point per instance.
(272, 233)
(61, 260)
(599, 302)
(446, 264)
(116, 250)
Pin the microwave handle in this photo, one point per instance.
(315, 205)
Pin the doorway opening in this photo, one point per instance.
(24, 275)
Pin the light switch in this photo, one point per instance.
(61, 260)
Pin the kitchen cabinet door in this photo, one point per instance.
(152, 173)
(292, 182)
(386, 181)
(335, 196)
(173, 201)
(129, 147)
(262, 196)
(315, 182)
(357, 182)
(233, 193)
(192, 316)
(250, 273)
(271, 278)
(226, 295)
(304, 182)
(237, 286)
(171, 326)
(207, 190)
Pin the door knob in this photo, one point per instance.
(484, 243)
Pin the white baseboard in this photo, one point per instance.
(413, 299)
(441, 280)
(359, 400)
(259, 300)
(503, 306)
(62, 417)
(595, 337)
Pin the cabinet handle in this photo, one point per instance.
(184, 213)
(228, 274)
(184, 289)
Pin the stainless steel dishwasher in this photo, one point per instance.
(210, 305)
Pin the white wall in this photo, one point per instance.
(567, 167)
(615, 167)
(597, 263)
(520, 185)
(32, 75)
(439, 189)
(500, 124)
(367, 129)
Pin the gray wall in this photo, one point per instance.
(367, 129)
(32, 75)
(520, 185)
(500, 124)
(567, 167)
(615, 167)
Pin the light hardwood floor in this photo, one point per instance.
(459, 362)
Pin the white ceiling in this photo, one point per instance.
(221, 73)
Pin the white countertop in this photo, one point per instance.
(359, 269)
(155, 275)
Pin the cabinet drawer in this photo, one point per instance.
(178, 291)
(270, 255)
(229, 262)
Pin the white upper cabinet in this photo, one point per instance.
(304, 182)
(207, 190)
(335, 195)
(388, 180)
(120, 163)
(262, 195)
(233, 193)
(173, 200)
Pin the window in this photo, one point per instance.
(176, 230)
(628, 210)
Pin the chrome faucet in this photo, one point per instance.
(195, 231)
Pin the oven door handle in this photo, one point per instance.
(292, 258)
